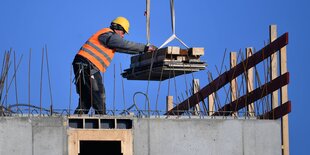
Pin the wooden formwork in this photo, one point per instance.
(280, 106)
(165, 63)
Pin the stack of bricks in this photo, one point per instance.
(165, 63)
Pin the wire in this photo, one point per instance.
(147, 98)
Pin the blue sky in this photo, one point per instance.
(64, 25)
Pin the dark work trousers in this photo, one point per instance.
(89, 86)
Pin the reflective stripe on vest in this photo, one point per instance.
(94, 55)
(99, 50)
(97, 53)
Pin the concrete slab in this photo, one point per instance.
(33, 136)
(206, 136)
(149, 136)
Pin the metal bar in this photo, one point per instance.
(49, 80)
(123, 89)
(29, 85)
(15, 81)
(227, 76)
(4, 73)
(278, 112)
(114, 90)
(70, 92)
(41, 79)
(254, 95)
(8, 84)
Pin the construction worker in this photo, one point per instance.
(94, 57)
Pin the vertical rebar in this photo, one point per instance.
(70, 91)
(186, 90)
(6, 92)
(7, 81)
(4, 74)
(29, 82)
(15, 81)
(8, 84)
(158, 90)
(150, 74)
(123, 90)
(114, 90)
(42, 61)
(49, 81)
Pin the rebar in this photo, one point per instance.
(41, 79)
(123, 89)
(49, 79)
(29, 62)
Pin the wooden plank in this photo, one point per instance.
(169, 102)
(148, 55)
(196, 51)
(144, 62)
(184, 52)
(166, 54)
(174, 50)
(278, 112)
(273, 66)
(211, 104)
(284, 99)
(227, 76)
(233, 83)
(211, 97)
(182, 58)
(159, 73)
(250, 82)
(195, 90)
(253, 96)
(170, 50)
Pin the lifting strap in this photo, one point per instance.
(173, 36)
(172, 12)
(147, 13)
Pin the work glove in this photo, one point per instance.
(152, 48)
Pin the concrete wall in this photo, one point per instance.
(207, 137)
(49, 136)
(33, 136)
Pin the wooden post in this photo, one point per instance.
(196, 88)
(169, 102)
(233, 83)
(284, 99)
(250, 82)
(211, 104)
(211, 98)
(273, 66)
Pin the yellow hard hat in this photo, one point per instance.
(122, 21)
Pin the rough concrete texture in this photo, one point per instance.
(151, 136)
(206, 136)
(33, 136)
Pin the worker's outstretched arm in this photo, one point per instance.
(114, 41)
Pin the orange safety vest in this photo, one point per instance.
(100, 55)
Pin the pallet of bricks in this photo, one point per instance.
(165, 63)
